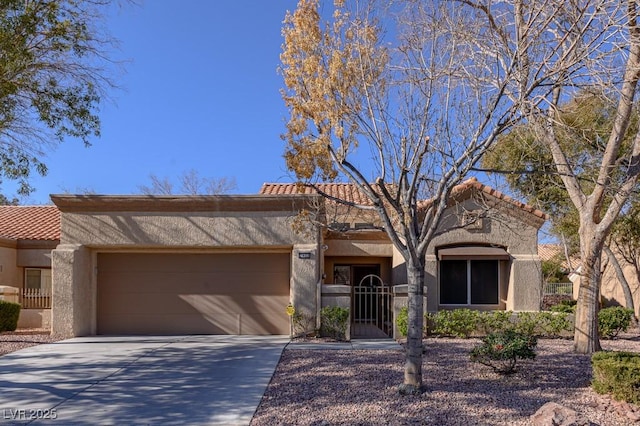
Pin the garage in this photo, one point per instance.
(193, 293)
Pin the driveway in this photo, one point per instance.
(193, 380)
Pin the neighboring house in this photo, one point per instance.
(230, 264)
(611, 293)
(28, 234)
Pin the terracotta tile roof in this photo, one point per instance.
(556, 251)
(345, 191)
(351, 193)
(473, 183)
(30, 222)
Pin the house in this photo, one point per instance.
(611, 290)
(28, 234)
(231, 264)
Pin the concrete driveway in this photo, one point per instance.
(193, 380)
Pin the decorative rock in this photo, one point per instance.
(553, 414)
(633, 416)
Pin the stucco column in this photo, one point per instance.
(305, 267)
(524, 285)
(73, 302)
(431, 283)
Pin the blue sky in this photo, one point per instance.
(201, 91)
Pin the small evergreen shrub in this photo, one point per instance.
(566, 306)
(334, 321)
(543, 324)
(303, 324)
(618, 374)
(9, 314)
(613, 320)
(501, 350)
(526, 323)
(402, 321)
(553, 324)
(456, 323)
(495, 321)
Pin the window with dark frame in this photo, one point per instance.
(469, 282)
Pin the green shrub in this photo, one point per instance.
(495, 321)
(526, 323)
(303, 324)
(334, 321)
(455, 323)
(501, 351)
(618, 374)
(566, 306)
(553, 324)
(613, 320)
(402, 321)
(9, 313)
(465, 322)
(547, 324)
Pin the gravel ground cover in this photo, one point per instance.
(359, 387)
(11, 341)
(348, 387)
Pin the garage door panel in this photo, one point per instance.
(224, 262)
(201, 283)
(123, 304)
(145, 293)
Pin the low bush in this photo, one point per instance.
(334, 321)
(303, 324)
(464, 323)
(402, 321)
(456, 323)
(617, 374)
(613, 320)
(566, 306)
(501, 351)
(495, 321)
(9, 314)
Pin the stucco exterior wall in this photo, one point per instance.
(34, 258)
(180, 229)
(9, 273)
(73, 303)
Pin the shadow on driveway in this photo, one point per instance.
(139, 380)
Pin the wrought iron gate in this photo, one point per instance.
(372, 308)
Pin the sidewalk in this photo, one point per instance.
(355, 344)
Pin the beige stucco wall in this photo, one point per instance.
(34, 258)
(9, 272)
(231, 224)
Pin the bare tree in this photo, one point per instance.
(191, 183)
(406, 117)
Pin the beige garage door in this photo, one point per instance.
(239, 293)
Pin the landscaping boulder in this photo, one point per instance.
(553, 414)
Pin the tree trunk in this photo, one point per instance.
(586, 337)
(413, 365)
(628, 296)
